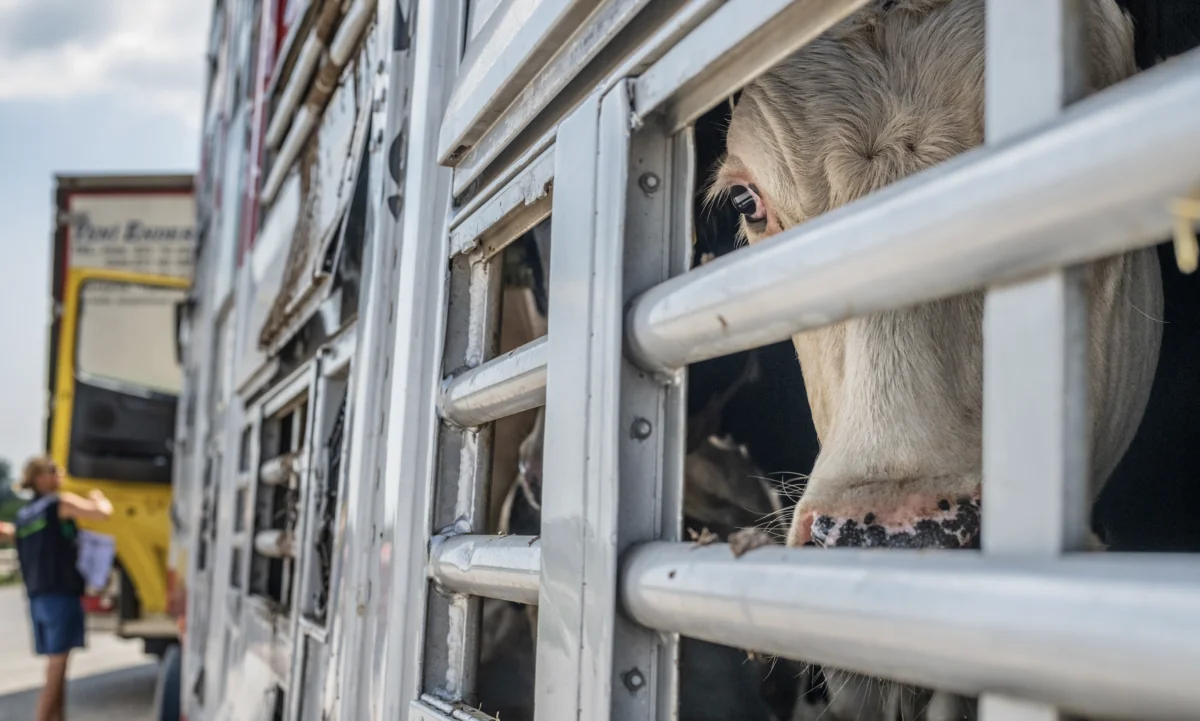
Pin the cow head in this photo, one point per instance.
(897, 397)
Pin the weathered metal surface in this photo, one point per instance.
(327, 170)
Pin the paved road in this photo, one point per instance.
(111, 680)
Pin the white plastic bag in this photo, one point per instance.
(96, 554)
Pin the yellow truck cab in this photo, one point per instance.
(122, 266)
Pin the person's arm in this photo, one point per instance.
(8, 532)
(93, 508)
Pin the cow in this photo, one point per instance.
(897, 397)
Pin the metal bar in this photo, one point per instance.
(522, 202)
(280, 470)
(504, 386)
(358, 640)
(350, 31)
(503, 567)
(476, 199)
(1083, 189)
(656, 220)
(579, 508)
(288, 392)
(736, 44)
(412, 422)
(1035, 332)
(275, 544)
(298, 81)
(1036, 426)
(1035, 410)
(1107, 636)
(301, 128)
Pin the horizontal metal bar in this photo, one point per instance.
(302, 126)
(293, 93)
(1094, 184)
(503, 567)
(516, 199)
(280, 470)
(1103, 635)
(732, 47)
(291, 391)
(350, 31)
(504, 386)
(275, 544)
(475, 199)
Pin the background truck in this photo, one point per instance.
(123, 248)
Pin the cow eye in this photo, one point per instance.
(746, 202)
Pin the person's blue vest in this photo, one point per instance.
(48, 550)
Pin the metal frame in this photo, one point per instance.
(1042, 195)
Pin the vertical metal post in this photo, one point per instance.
(420, 305)
(353, 631)
(1035, 413)
(579, 494)
(614, 433)
(653, 416)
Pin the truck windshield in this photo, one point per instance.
(126, 334)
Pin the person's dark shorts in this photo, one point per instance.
(57, 624)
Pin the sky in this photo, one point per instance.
(85, 86)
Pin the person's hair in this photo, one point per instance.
(35, 467)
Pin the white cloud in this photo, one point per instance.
(147, 53)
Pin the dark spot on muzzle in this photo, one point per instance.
(960, 530)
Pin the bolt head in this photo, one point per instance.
(634, 680)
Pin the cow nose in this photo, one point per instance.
(919, 522)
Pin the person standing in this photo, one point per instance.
(45, 534)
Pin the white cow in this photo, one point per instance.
(897, 397)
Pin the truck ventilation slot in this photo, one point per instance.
(326, 512)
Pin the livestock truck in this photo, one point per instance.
(422, 222)
(122, 263)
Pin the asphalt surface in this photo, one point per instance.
(110, 680)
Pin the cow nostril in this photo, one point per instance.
(952, 525)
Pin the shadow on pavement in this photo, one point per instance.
(125, 695)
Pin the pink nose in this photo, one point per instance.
(920, 522)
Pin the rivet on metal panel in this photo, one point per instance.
(635, 681)
(640, 430)
(649, 183)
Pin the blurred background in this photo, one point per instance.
(85, 87)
